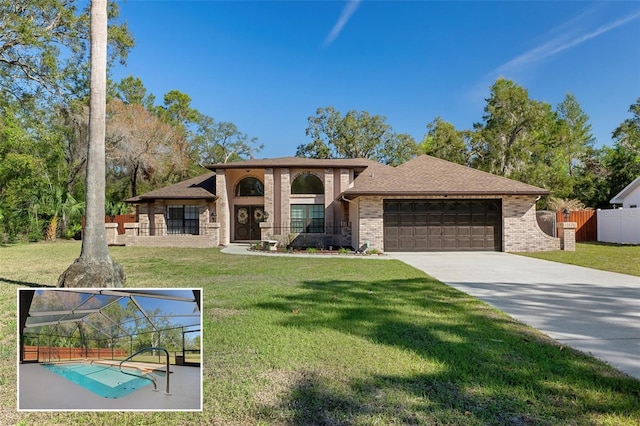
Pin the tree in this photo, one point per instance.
(131, 90)
(623, 160)
(511, 130)
(583, 162)
(357, 134)
(444, 141)
(43, 46)
(94, 267)
(576, 136)
(140, 145)
(397, 150)
(221, 142)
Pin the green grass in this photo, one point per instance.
(624, 259)
(339, 341)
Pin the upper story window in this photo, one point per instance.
(307, 183)
(250, 187)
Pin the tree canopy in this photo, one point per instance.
(357, 134)
(528, 140)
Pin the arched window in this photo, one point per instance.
(250, 187)
(307, 183)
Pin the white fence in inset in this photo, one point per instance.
(619, 226)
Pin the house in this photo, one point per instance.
(426, 204)
(629, 197)
(622, 225)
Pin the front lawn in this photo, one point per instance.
(624, 259)
(291, 341)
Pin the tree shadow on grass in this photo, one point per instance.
(23, 283)
(496, 370)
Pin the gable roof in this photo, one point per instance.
(200, 187)
(619, 198)
(426, 175)
(290, 162)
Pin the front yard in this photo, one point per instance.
(624, 259)
(338, 341)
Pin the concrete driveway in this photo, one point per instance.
(593, 311)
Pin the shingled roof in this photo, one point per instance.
(291, 162)
(200, 187)
(426, 175)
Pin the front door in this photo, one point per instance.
(247, 222)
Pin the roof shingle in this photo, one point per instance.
(200, 187)
(426, 175)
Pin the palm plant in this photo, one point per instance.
(63, 207)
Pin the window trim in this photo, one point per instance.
(183, 225)
(308, 224)
(236, 192)
(305, 175)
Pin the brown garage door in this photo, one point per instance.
(442, 225)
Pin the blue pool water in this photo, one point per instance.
(103, 380)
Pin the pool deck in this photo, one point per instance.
(41, 389)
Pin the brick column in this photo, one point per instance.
(111, 231)
(222, 207)
(269, 203)
(328, 201)
(212, 229)
(285, 200)
(567, 235)
(131, 232)
(344, 179)
(371, 224)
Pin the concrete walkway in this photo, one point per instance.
(593, 311)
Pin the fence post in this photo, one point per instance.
(567, 235)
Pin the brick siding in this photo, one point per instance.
(521, 232)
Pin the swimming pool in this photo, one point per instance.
(103, 380)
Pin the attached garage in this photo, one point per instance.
(442, 225)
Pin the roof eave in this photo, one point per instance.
(620, 196)
(142, 199)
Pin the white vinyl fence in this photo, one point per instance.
(619, 226)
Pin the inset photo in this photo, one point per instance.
(109, 349)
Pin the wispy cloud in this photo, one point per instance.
(348, 11)
(567, 36)
(559, 44)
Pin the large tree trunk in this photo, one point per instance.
(94, 267)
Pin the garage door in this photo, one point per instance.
(439, 225)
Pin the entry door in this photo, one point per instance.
(247, 222)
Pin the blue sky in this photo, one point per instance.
(268, 65)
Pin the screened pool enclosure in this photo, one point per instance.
(58, 325)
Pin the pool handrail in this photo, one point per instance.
(150, 348)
